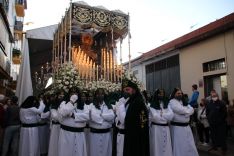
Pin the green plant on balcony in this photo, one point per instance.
(16, 52)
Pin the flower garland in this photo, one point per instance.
(106, 85)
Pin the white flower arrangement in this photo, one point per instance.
(68, 77)
(106, 85)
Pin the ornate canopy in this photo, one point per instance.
(99, 18)
(87, 37)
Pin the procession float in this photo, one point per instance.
(85, 48)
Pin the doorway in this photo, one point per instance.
(218, 83)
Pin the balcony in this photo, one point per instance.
(18, 35)
(19, 8)
(18, 26)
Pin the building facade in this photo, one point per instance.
(11, 30)
(203, 57)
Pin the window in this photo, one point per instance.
(214, 65)
(163, 64)
(5, 4)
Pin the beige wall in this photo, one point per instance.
(229, 42)
(192, 58)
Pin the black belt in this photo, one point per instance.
(30, 125)
(159, 124)
(56, 123)
(179, 124)
(42, 124)
(94, 130)
(72, 129)
(121, 131)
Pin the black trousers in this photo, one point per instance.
(218, 136)
(202, 131)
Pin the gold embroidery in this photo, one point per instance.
(143, 119)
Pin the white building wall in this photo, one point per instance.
(193, 57)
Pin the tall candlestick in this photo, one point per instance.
(70, 26)
(58, 44)
(65, 37)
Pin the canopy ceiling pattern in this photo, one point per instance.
(99, 18)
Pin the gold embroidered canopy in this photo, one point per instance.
(99, 18)
(87, 37)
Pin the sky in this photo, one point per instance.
(152, 22)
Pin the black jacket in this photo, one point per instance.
(216, 112)
(136, 139)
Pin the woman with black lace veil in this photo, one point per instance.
(160, 114)
(101, 120)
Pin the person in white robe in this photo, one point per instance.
(29, 137)
(55, 125)
(88, 97)
(119, 121)
(182, 138)
(101, 120)
(72, 138)
(44, 127)
(160, 114)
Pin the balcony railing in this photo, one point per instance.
(18, 25)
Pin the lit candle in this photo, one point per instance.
(47, 67)
(111, 65)
(107, 65)
(97, 73)
(114, 70)
(42, 70)
(104, 63)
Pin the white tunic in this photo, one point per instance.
(72, 143)
(54, 134)
(119, 120)
(160, 137)
(101, 143)
(182, 137)
(44, 132)
(29, 137)
(87, 131)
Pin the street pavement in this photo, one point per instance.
(204, 150)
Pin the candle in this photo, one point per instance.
(36, 74)
(111, 65)
(107, 65)
(42, 70)
(97, 73)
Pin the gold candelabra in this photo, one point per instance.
(42, 77)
